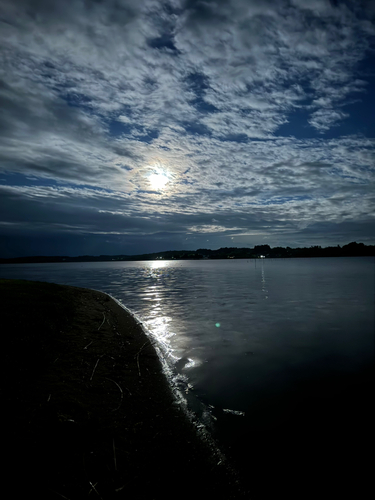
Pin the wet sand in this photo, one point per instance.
(87, 410)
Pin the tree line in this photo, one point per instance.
(352, 249)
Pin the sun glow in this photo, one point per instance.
(158, 179)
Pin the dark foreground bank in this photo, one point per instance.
(86, 409)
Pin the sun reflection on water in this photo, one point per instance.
(160, 326)
(158, 264)
(158, 321)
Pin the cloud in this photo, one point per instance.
(324, 119)
(95, 95)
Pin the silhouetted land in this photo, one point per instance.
(353, 249)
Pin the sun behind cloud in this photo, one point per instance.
(158, 179)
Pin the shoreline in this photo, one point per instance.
(87, 406)
(176, 390)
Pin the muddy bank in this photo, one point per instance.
(87, 410)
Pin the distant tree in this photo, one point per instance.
(354, 249)
(262, 249)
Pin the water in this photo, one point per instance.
(259, 348)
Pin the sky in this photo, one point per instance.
(136, 126)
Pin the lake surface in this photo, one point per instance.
(260, 349)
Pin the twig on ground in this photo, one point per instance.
(60, 494)
(139, 352)
(122, 394)
(114, 453)
(93, 488)
(96, 364)
(120, 489)
(102, 322)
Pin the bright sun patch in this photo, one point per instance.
(158, 180)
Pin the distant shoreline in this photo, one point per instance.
(353, 249)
